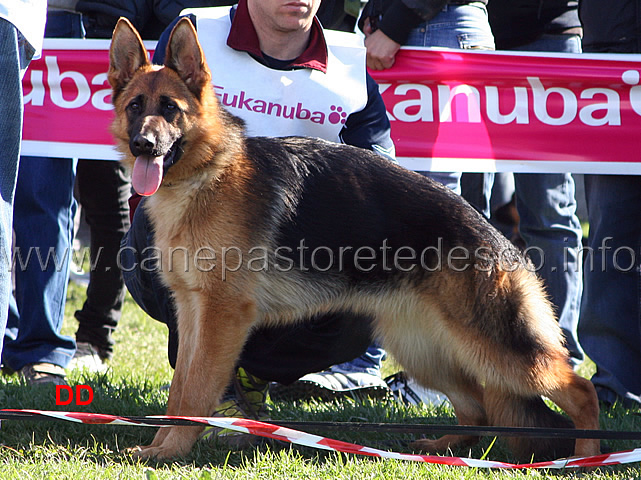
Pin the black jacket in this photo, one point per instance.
(518, 22)
(611, 25)
(150, 17)
(396, 18)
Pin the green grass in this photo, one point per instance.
(132, 386)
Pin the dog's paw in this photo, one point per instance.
(132, 450)
(425, 445)
(157, 453)
(443, 444)
(587, 448)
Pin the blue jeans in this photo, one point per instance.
(14, 59)
(456, 26)
(43, 225)
(552, 233)
(610, 325)
(564, 43)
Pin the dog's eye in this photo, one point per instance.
(167, 105)
(134, 106)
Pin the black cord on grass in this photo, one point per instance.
(399, 428)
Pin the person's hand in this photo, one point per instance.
(381, 50)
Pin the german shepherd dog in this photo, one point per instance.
(454, 302)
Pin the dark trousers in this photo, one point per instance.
(278, 354)
(103, 191)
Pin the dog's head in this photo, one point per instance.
(157, 107)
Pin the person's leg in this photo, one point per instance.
(463, 26)
(456, 26)
(564, 43)
(552, 234)
(479, 190)
(45, 191)
(609, 328)
(43, 225)
(103, 190)
(285, 354)
(14, 58)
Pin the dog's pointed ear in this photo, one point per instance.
(126, 54)
(186, 57)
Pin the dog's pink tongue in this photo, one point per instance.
(147, 174)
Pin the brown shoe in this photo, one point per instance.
(42, 373)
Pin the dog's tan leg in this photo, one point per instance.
(186, 313)
(467, 399)
(175, 392)
(578, 398)
(217, 341)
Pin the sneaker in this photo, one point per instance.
(88, 358)
(246, 397)
(332, 384)
(43, 373)
(406, 390)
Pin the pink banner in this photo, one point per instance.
(450, 110)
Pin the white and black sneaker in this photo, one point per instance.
(332, 384)
(406, 390)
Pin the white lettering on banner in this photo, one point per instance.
(81, 91)
(519, 113)
(424, 103)
(98, 98)
(37, 95)
(55, 78)
(446, 95)
(611, 106)
(604, 107)
(541, 96)
(599, 106)
(612, 115)
(434, 101)
(631, 77)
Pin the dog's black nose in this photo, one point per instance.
(142, 144)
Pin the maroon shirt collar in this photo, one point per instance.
(243, 37)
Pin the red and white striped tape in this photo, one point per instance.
(309, 440)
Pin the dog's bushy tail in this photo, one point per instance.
(510, 410)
